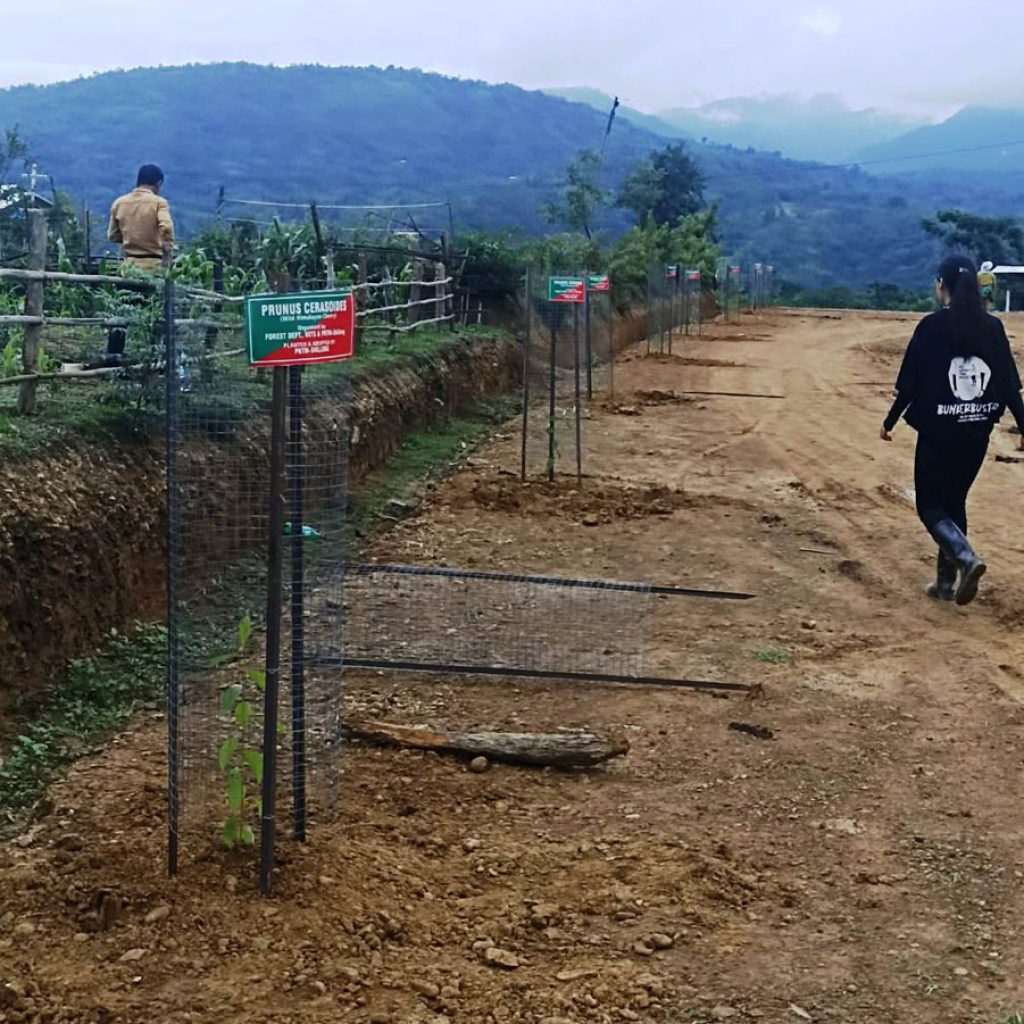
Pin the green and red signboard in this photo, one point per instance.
(599, 283)
(693, 275)
(566, 289)
(301, 329)
(672, 271)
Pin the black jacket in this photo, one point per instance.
(951, 397)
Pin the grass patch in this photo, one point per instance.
(772, 656)
(96, 696)
(425, 454)
(70, 412)
(75, 418)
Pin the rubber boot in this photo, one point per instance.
(970, 567)
(944, 587)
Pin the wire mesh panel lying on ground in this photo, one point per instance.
(419, 617)
(219, 429)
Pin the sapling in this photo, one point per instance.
(240, 757)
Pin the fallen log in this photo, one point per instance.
(547, 750)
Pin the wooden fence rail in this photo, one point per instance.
(435, 295)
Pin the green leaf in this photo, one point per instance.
(254, 759)
(243, 714)
(236, 791)
(224, 658)
(226, 752)
(258, 677)
(246, 837)
(230, 832)
(244, 632)
(229, 698)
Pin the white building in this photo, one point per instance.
(1012, 280)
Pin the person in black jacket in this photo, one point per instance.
(958, 378)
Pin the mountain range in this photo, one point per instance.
(354, 136)
(978, 139)
(822, 128)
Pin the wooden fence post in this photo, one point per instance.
(440, 291)
(415, 294)
(362, 297)
(32, 344)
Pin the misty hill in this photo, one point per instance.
(822, 128)
(370, 135)
(350, 135)
(601, 101)
(972, 140)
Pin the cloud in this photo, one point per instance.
(644, 50)
(822, 21)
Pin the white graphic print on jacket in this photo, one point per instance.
(969, 378)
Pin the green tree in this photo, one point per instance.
(999, 239)
(689, 243)
(668, 185)
(581, 196)
(13, 153)
(14, 158)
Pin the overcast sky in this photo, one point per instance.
(924, 56)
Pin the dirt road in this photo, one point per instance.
(865, 865)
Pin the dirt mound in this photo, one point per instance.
(593, 503)
(657, 397)
(670, 357)
(426, 898)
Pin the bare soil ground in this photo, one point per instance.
(863, 866)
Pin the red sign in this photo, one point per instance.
(300, 329)
(566, 289)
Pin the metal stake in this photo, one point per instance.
(526, 371)
(268, 821)
(551, 405)
(296, 463)
(173, 512)
(578, 397)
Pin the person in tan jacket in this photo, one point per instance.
(141, 223)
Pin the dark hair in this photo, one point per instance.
(149, 174)
(971, 326)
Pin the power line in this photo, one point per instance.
(336, 206)
(929, 156)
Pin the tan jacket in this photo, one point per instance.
(141, 222)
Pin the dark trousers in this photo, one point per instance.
(943, 474)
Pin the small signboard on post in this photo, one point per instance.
(566, 289)
(599, 283)
(302, 328)
(672, 271)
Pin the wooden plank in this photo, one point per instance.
(554, 750)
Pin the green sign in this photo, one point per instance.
(599, 283)
(300, 329)
(566, 289)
